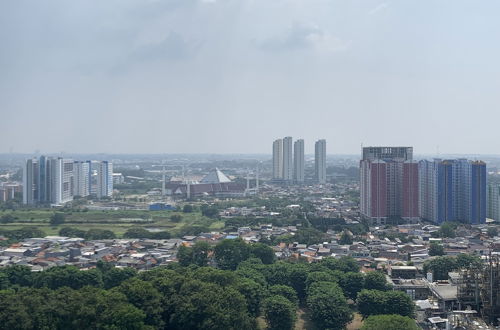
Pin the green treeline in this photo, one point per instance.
(242, 282)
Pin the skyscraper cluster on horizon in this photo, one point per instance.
(56, 180)
(289, 163)
(393, 185)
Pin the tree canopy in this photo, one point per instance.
(279, 313)
(436, 249)
(375, 302)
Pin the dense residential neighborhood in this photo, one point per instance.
(319, 228)
(380, 249)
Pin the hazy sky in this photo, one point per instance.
(229, 76)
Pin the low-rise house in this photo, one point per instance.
(404, 272)
(416, 289)
(17, 252)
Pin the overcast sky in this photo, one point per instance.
(229, 76)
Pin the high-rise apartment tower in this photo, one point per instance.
(320, 161)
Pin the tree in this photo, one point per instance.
(398, 302)
(188, 208)
(253, 292)
(70, 276)
(209, 211)
(223, 278)
(447, 229)
(352, 283)
(201, 251)
(4, 281)
(115, 276)
(468, 261)
(345, 238)
(72, 232)
(185, 255)
(93, 234)
(492, 232)
(176, 217)
(344, 264)
(145, 297)
(309, 236)
(13, 313)
(440, 267)
(229, 253)
(322, 276)
(436, 249)
(161, 235)
(375, 281)
(23, 233)
(7, 218)
(57, 219)
(375, 302)
(389, 322)
(291, 274)
(137, 232)
(370, 302)
(105, 310)
(279, 313)
(285, 291)
(328, 306)
(18, 275)
(347, 264)
(199, 305)
(263, 252)
(252, 272)
(195, 229)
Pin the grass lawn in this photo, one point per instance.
(116, 221)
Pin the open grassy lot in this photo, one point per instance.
(41, 215)
(116, 221)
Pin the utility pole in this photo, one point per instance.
(164, 166)
(257, 179)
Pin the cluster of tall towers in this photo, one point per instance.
(393, 185)
(289, 164)
(56, 180)
(453, 190)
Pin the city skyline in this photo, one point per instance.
(56, 180)
(249, 164)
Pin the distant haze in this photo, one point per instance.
(229, 76)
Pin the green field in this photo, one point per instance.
(116, 221)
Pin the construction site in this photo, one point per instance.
(479, 290)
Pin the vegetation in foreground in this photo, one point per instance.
(246, 284)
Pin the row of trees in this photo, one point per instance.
(210, 211)
(91, 234)
(228, 254)
(22, 233)
(249, 283)
(139, 232)
(104, 276)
